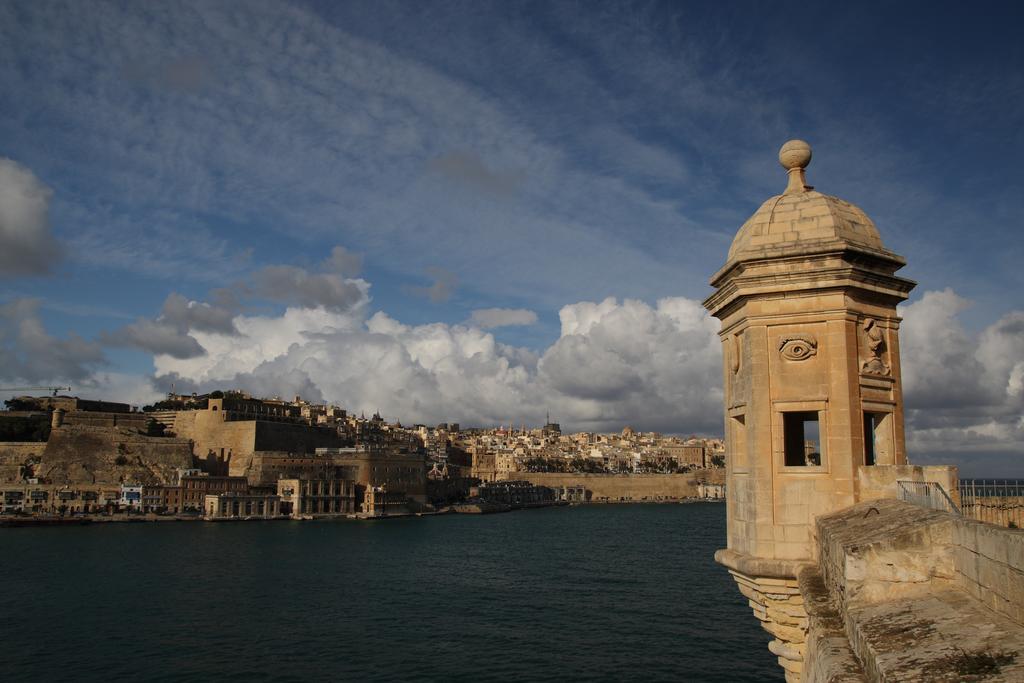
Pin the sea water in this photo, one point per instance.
(598, 592)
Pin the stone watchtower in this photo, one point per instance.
(810, 340)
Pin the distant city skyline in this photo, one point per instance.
(485, 212)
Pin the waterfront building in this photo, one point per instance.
(514, 493)
(379, 502)
(316, 497)
(572, 493)
(389, 466)
(131, 496)
(235, 505)
(194, 489)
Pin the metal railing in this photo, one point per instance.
(994, 501)
(927, 494)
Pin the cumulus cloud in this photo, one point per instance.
(291, 284)
(30, 355)
(655, 367)
(27, 246)
(489, 318)
(652, 367)
(963, 390)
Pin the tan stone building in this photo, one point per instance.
(316, 497)
(235, 505)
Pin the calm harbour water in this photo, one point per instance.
(617, 592)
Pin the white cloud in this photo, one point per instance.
(963, 390)
(652, 367)
(121, 387)
(26, 245)
(490, 318)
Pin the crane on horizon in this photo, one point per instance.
(53, 389)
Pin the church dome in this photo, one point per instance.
(801, 220)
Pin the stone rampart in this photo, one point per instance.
(625, 487)
(912, 594)
(135, 421)
(80, 454)
(14, 455)
(214, 431)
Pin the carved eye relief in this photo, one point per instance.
(798, 348)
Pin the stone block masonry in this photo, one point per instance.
(79, 454)
(920, 594)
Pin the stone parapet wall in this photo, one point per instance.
(828, 655)
(989, 564)
(136, 421)
(879, 481)
(914, 594)
(883, 548)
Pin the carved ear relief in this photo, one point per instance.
(874, 344)
(798, 347)
(735, 352)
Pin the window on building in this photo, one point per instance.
(869, 438)
(802, 439)
(738, 443)
(878, 438)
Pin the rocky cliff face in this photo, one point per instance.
(85, 454)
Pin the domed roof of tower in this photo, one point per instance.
(801, 220)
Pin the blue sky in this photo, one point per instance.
(536, 158)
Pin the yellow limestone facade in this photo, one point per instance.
(810, 338)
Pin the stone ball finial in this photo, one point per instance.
(795, 154)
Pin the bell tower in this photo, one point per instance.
(810, 339)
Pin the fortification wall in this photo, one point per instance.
(209, 431)
(79, 454)
(237, 440)
(136, 421)
(13, 455)
(294, 438)
(636, 487)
